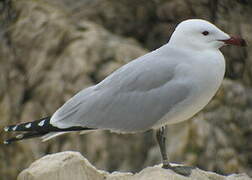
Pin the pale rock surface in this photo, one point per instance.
(71, 165)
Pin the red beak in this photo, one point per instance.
(235, 41)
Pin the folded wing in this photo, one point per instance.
(131, 99)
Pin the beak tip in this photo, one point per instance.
(238, 41)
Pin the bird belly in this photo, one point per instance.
(186, 109)
(202, 91)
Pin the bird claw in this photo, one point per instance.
(182, 170)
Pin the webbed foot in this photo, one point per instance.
(182, 170)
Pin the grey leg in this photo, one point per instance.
(161, 139)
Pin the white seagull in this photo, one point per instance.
(166, 86)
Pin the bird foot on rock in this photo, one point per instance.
(182, 170)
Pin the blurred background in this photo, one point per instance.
(51, 49)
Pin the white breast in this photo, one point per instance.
(204, 76)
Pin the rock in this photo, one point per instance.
(71, 165)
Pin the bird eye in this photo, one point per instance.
(205, 33)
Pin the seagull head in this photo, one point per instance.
(200, 34)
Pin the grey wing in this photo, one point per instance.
(131, 99)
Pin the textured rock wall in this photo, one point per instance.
(49, 50)
(152, 22)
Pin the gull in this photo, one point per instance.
(166, 86)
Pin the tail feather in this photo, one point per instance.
(38, 128)
(51, 135)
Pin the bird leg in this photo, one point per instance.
(161, 139)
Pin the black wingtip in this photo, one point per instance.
(17, 138)
(9, 141)
(37, 125)
(11, 128)
(6, 142)
(7, 129)
(23, 136)
(36, 129)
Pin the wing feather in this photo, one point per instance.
(133, 98)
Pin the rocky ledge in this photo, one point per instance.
(72, 165)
